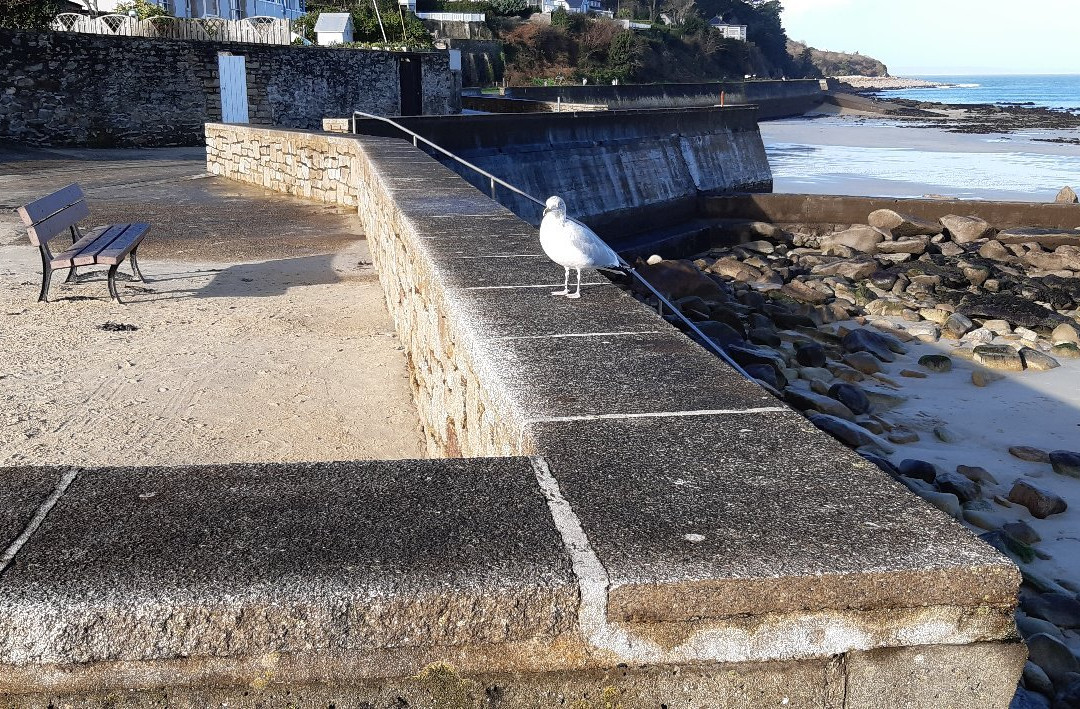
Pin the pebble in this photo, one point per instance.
(983, 378)
(944, 435)
(1064, 462)
(1033, 455)
(902, 436)
(912, 374)
(936, 363)
(1040, 503)
(979, 475)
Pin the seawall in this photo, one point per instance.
(620, 171)
(774, 99)
(74, 89)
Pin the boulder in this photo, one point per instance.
(1027, 699)
(860, 238)
(1004, 306)
(1068, 350)
(810, 354)
(977, 474)
(850, 434)
(1032, 455)
(1066, 196)
(1060, 609)
(809, 401)
(679, 279)
(996, 251)
(1046, 238)
(1052, 655)
(1040, 503)
(964, 489)
(999, 357)
(918, 469)
(956, 326)
(856, 268)
(913, 246)
(1021, 531)
(863, 362)
(851, 396)
(720, 333)
(1064, 462)
(1066, 332)
(903, 224)
(964, 230)
(768, 375)
(1063, 258)
(1037, 361)
(936, 363)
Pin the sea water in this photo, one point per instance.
(1045, 90)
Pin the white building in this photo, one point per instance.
(227, 9)
(728, 31)
(571, 5)
(333, 28)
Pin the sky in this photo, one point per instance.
(917, 37)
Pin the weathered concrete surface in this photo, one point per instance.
(26, 489)
(622, 172)
(358, 570)
(686, 498)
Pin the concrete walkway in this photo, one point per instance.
(260, 336)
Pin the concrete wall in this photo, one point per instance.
(852, 592)
(67, 88)
(829, 209)
(774, 99)
(620, 171)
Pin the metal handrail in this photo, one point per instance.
(416, 137)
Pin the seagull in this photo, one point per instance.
(572, 245)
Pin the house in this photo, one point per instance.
(226, 9)
(571, 5)
(728, 31)
(333, 28)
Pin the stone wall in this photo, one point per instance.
(66, 88)
(709, 528)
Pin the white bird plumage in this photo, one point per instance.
(572, 245)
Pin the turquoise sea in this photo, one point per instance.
(1047, 90)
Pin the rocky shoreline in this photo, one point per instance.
(843, 321)
(885, 83)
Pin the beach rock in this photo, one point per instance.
(764, 336)
(856, 268)
(720, 333)
(998, 327)
(984, 377)
(902, 224)
(964, 230)
(860, 238)
(1063, 462)
(850, 434)
(1066, 350)
(935, 315)
(978, 336)
(1032, 455)
(999, 357)
(936, 363)
(1058, 608)
(958, 485)
(789, 321)
(679, 279)
(945, 434)
(982, 519)
(977, 474)
(1040, 503)
(902, 436)
(1027, 699)
(746, 353)
(1066, 196)
(1069, 695)
(914, 246)
(1037, 680)
(1033, 626)
(810, 354)
(1066, 332)
(956, 326)
(851, 396)
(918, 469)
(996, 251)
(912, 374)
(866, 340)
(1026, 334)
(1052, 655)
(883, 401)
(944, 501)
(863, 362)
(1063, 258)
(809, 401)
(735, 269)
(761, 246)
(883, 279)
(1004, 306)
(1021, 531)
(767, 374)
(1037, 361)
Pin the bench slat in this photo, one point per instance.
(49, 205)
(64, 259)
(124, 244)
(51, 226)
(88, 254)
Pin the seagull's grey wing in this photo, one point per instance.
(586, 241)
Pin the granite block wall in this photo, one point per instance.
(71, 89)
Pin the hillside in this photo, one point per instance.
(836, 63)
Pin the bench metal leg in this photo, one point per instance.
(72, 276)
(46, 277)
(112, 284)
(135, 265)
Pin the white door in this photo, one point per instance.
(233, 80)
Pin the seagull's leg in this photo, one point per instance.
(577, 293)
(566, 284)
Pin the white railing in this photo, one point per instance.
(254, 30)
(453, 16)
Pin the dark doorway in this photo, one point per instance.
(412, 100)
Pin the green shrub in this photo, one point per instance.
(144, 9)
(28, 14)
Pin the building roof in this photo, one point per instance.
(333, 22)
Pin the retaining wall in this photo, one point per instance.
(715, 537)
(774, 99)
(620, 171)
(69, 88)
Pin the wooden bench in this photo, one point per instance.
(103, 245)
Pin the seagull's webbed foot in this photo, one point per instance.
(566, 284)
(575, 294)
(564, 291)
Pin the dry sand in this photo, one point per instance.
(262, 332)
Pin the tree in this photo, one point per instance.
(624, 56)
(28, 14)
(144, 9)
(680, 10)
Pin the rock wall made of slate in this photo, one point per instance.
(72, 89)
